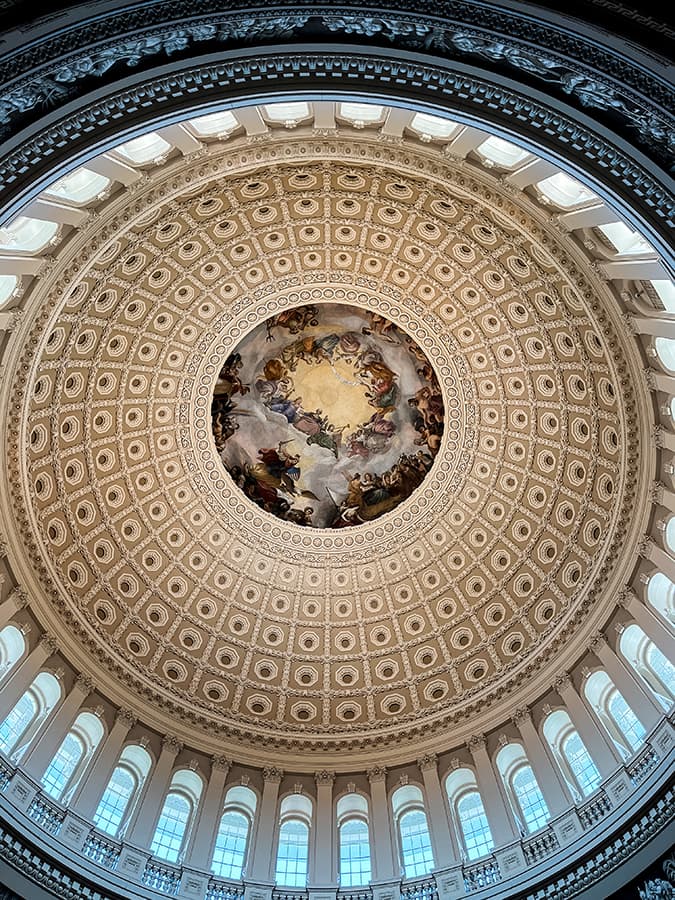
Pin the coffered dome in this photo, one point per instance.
(193, 595)
(337, 395)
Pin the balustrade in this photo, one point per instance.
(166, 879)
(481, 874)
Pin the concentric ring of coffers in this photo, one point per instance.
(270, 626)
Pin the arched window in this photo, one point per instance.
(177, 815)
(413, 831)
(72, 757)
(23, 720)
(646, 659)
(468, 814)
(665, 352)
(661, 595)
(354, 838)
(12, 648)
(229, 853)
(571, 754)
(295, 816)
(522, 788)
(123, 789)
(622, 724)
(669, 536)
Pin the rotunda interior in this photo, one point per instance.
(337, 545)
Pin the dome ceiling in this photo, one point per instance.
(180, 583)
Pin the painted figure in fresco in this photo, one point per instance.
(383, 327)
(276, 469)
(371, 494)
(311, 350)
(223, 411)
(293, 320)
(229, 382)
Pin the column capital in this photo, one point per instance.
(377, 775)
(125, 717)
(598, 640)
(626, 597)
(171, 743)
(19, 596)
(49, 643)
(84, 683)
(428, 762)
(562, 680)
(656, 491)
(272, 775)
(220, 764)
(477, 742)
(657, 436)
(644, 546)
(324, 777)
(521, 716)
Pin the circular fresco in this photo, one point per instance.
(327, 415)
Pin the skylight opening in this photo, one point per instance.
(361, 113)
(27, 235)
(149, 147)
(431, 127)
(666, 292)
(624, 239)
(286, 113)
(565, 191)
(8, 286)
(79, 186)
(218, 123)
(502, 153)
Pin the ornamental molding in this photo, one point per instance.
(448, 87)
(575, 65)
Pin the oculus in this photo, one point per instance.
(327, 415)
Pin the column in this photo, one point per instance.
(500, 818)
(602, 750)
(262, 863)
(385, 868)
(142, 829)
(16, 599)
(442, 843)
(204, 833)
(87, 795)
(322, 866)
(661, 559)
(23, 675)
(649, 622)
(639, 698)
(550, 780)
(39, 756)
